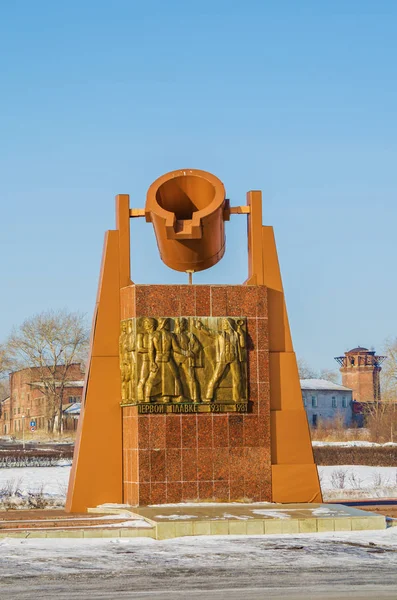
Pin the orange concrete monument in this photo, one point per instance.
(192, 391)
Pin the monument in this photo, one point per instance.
(192, 391)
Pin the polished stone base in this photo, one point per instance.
(201, 452)
(170, 521)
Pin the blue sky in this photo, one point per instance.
(295, 98)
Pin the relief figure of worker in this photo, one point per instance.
(229, 355)
(187, 356)
(131, 359)
(144, 341)
(125, 367)
(161, 351)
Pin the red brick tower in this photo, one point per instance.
(360, 370)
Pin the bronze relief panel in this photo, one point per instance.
(200, 361)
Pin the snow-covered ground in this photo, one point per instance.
(357, 443)
(181, 548)
(356, 481)
(23, 487)
(337, 482)
(53, 481)
(333, 565)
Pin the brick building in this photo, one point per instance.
(27, 400)
(360, 369)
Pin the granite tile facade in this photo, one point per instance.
(205, 456)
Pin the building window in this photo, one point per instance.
(314, 420)
(334, 402)
(344, 402)
(15, 411)
(304, 401)
(73, 399)
(314, 402)
(19, 410)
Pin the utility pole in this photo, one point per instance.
(23, 432)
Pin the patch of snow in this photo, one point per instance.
(239, 518)
(277, 514)
(115, 516)
(64, 462)
(355, 443)
(175, 517)
(329, 512)
(112, 505)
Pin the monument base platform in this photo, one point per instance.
(178, 520)
(193, 519)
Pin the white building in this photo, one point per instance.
(324, 400)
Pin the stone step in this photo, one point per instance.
(60, 523)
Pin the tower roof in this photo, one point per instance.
(359, 349)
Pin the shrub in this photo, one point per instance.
(372, 456)
(338, 478)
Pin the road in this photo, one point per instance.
(120, 587)
(248, 568)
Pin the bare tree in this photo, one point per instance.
(305, 371)
(4, 380)
(389, 371)
(50, 343)
(380, 420)
(4, 362)
(4, 389)
(330, 375)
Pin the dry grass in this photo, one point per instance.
(381, 421)
(334, 430)
(372, 456)
(12, 497)
(44, 437)
(380, 426)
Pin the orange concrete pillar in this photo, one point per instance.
(294, 473)
(96, 475)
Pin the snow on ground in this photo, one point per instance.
(357, 481)
(337, 482)
(358, 443)
(52, 481)
(368, 549)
